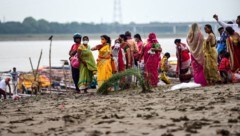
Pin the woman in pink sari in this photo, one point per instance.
(151, 54)
(195, 41)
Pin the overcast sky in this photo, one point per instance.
(139, 11)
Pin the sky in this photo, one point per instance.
(101, 11)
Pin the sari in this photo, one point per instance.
(195, 43)
(151, 60)
(183, 63)
(86, 71)
(210, 64)
(104, 67)
(119, 58)
(234, 50)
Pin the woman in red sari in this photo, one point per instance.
(183, 61)
(233, 47)
(151, 54)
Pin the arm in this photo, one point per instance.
(221, 23)
(129, 57)
(157, 49)
(94, 48)
(72, 53)
(80, 58)
(97, 47)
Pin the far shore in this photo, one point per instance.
(59, 37)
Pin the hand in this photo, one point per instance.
(84, 62)
(215, 17)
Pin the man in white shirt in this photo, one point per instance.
(235, 25)
(3, 87)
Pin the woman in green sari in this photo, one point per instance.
(88, 65)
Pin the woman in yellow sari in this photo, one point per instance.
(104, 67)
(87, 65)
(210, 53)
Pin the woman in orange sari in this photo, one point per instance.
(104, 67)
(233, 47)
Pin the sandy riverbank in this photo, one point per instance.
(200, 111)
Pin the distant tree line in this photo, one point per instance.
(33, 26)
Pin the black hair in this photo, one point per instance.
(230, 30)
(128, 34)
(220, 29)
(229, 22)
(138, 37)
(209, 27)
(86, 37)
(227, 55)
(167, 55)
(177, 41)
(116, 40)
(107, 38)
(123, 36)
(238, 17)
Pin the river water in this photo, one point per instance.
(17, 53)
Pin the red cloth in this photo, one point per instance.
(235, 51)
(75, 47)
(121, 66)
(140, 48)
(224, 65)
(152, 38)
(151, 62)
(182, 55)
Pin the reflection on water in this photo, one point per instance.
(17, 53)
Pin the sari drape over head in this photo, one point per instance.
(195, 42)
(151, 60)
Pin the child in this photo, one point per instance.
(224, 67)
(164, 68)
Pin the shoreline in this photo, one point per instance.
(60, 37)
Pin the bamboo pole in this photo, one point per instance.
(31, 65)
(36, 73)
(50, 63)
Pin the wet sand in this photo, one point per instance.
(204, 111)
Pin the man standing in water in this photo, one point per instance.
(72, 53)
(235, 26)
(14, 80)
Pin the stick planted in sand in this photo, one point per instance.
(50, 63)
(36, 73)
(31, 65)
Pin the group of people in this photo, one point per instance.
(126, 53)
(207, 60)
(214, 61)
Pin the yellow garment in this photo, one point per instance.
(164, 64)
(104, 66)
(164, 78)
(164, 70)
(210, 63)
